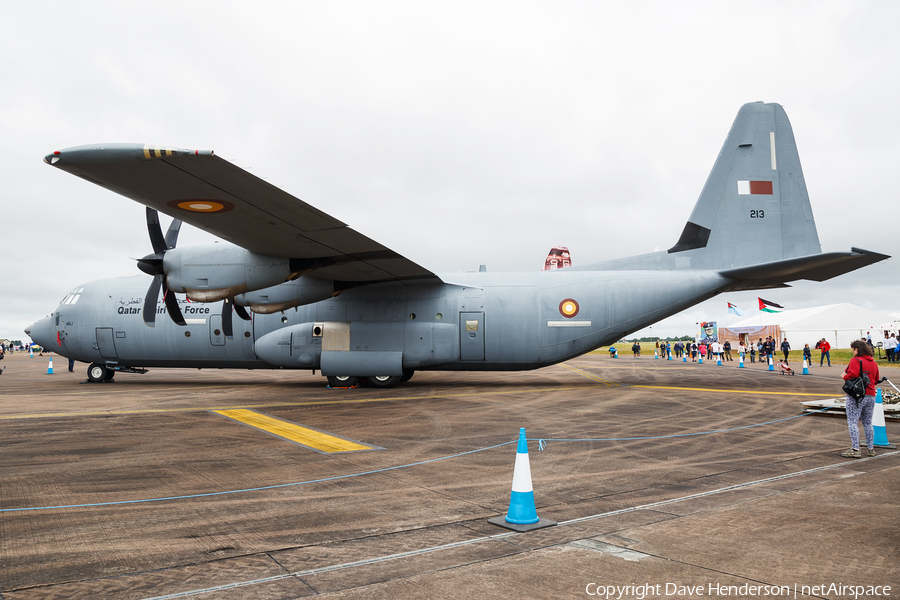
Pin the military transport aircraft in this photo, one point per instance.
(327, 298)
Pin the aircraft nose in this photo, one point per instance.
(41, 332)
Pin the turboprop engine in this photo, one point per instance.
(213, 272)
(222, 271)
(299, 292)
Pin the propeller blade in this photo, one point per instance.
(172, 233)
(150, 300)
(227, 327)
(172, 305)
(241, 311)
(156, 236)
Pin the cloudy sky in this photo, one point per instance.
(456, 133)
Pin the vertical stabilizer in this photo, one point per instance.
(754, 207)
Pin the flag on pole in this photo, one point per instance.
(734, 310)
(770, 307)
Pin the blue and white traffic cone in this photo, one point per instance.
(881, 440)
(522, 510)
(30, 352)
(806, 370)
(719, 360)
(684, 358)
(670, 355)
(741, 363)
(522, 514)
(701, 359)
(50, 368)
(656, 354)
(771, 364)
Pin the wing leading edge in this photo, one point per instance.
(211, 193)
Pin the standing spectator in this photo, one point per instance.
(668, 350)
(636, 350)
(702, 350)
(807, 355)
(865, 406)
(824, 347)
(693, 351)
(727, 348)
(786, 348)
(752, 353)
(890, 347)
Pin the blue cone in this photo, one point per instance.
(522, 510)
(881, 439)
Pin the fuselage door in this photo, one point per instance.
(471, 336)
(106, 342)
(216, 336)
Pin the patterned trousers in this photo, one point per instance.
(862, 412)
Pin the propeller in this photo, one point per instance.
(228, 307)
(152, 264)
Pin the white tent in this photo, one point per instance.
(840, 324)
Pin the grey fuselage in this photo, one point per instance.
(472, 321)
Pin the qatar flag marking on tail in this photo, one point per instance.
(747, 188)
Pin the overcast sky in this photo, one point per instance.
(457, 133)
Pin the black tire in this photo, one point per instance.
(342, 381)
(384, 381)
(407, 375)
(110, 374)
(97, 373)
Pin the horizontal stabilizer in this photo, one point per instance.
(818, 267)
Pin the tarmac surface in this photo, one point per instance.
(137, 489)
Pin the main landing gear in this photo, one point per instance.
(377, 381)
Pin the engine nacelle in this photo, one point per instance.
(213, 272)
(305, 290)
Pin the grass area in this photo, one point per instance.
(838, 357)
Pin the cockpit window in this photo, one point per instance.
(73, 296)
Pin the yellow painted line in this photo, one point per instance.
(544, 390)
(304, 436)
(687, 389)
(590, 376)
(146, 411)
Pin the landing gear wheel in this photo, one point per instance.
(339, 381)
(110, 373)
(407, 375)
(384, 381)
(97, 373)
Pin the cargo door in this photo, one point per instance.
(471, 336)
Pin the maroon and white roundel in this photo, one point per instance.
(568, 308)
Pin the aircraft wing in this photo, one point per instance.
(212, 194)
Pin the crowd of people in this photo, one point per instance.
(862, 366)
(761, 351)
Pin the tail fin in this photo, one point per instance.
(754, 207)
(753, 222)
